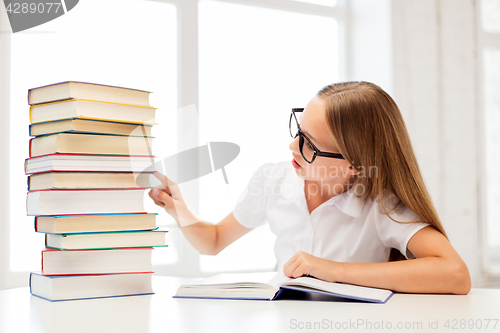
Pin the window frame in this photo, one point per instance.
(188, 263)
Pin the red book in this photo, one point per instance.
(116, 261)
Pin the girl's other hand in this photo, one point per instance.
(305, 264)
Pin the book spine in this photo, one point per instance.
(91, 189)
(64, 248)
(104, 155)
(42, 260)
(36, 224)
(78, 214)
(105, 273)
(30, 282)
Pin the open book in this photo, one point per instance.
(269, 286)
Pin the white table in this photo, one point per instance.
(21, 312)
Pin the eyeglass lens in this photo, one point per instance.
(294, 129)
(306, 149)
(305, 146)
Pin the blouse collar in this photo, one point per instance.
(347, 202)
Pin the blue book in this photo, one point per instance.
(70, 224)
(276, 286)
(73, 287)
(106, 240)
(90, 126)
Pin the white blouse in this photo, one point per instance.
(342, 229)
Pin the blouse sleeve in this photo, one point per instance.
(395, 234)
(250, 209)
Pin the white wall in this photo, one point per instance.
(369, 49)
(424, 53)
(436, 87)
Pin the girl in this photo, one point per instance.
(352, 193)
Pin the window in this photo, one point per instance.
(251, 75)
(108, 46)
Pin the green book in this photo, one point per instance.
(106, 240)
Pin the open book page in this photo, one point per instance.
(273, 279)
(341, 289)
(237, 285)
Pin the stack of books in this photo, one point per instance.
(86, 183)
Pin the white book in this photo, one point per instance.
(79, 162)
(86, 109)
(72, 287)
(76, 202)
(272, 285)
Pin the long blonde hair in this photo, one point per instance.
(368, 129)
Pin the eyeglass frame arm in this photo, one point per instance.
(317, 152)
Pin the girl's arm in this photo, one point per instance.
(437, 268)
(210, 238)
(206, 237)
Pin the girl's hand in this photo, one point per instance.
(168, 196)
(305, 264)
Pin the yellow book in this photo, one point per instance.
(83, 180)
(66, 224)
(90, 109)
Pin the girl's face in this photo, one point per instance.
(313, 125)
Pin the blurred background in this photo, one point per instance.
(231, 70)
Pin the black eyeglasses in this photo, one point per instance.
(310, 152)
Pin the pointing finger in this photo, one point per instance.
(164, 179)
(164, 182)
